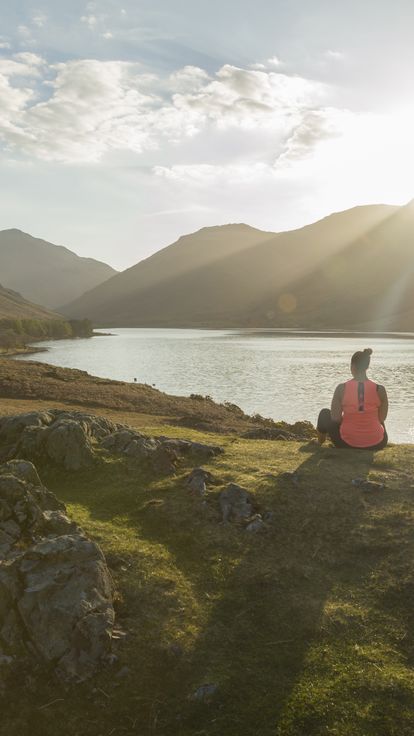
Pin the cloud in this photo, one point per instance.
(334, 55)
(205, 174)
(188, 79)
(89, 20)
(93, 107)
(273, 63)
(314, 127)
(39, 20)
(24, 31)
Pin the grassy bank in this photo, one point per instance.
(306, 629)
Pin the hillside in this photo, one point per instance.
(30, 380)
(302, 629)
(232, 275)
(13, 306)
(368, 285)
(45, 273)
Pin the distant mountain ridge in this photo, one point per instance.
(45, 273)
(353, 269)
(13, 306)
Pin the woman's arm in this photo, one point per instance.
(383, 409)
(336, 406)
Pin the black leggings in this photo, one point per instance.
(326, 425)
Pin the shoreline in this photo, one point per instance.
(275, 331)
(23, 351)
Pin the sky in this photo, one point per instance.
(124, 125)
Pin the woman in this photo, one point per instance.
(358, 411)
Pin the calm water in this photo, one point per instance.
(282, 376)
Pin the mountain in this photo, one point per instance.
(45, 273)
(235, 275)
(13, 306)
(367, 285)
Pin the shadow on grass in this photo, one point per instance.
(270, 609)
(264, 611)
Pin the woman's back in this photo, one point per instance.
(360, 426)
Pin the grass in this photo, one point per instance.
(307, 629)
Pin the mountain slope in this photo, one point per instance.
(13, 306)
(224, 276)
(368, 285)
(45, 273)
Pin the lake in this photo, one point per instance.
(273, 373)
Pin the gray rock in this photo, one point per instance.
(164, 461)
(205, 693)
(235, 503)
(68, 439)
(255, 525)
(66, 603)
(197, 481)
(21, 469)
(55, 587)
(68, 445)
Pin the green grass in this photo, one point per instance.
(307, 629)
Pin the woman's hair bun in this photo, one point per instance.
(368, 351)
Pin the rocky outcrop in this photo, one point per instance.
(69, 440)
(161, 453)
(64, 438)
(55, 588)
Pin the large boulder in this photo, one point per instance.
(68, 445)
(55, 588)
(61, 437)
(68, 439)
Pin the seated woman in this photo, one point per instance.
(358, 411)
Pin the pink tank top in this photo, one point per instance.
(360, 425)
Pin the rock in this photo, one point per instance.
(256, 524)
(235, 503)
(195, 449)
(164, 460)
(205, 693)
(55, 588)
(12, 427)
(60, 436)
(21, 469)
(66, 603)
(68, 445)
(368, 485)
(118, 441)
(197, 480)
(68, 439)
